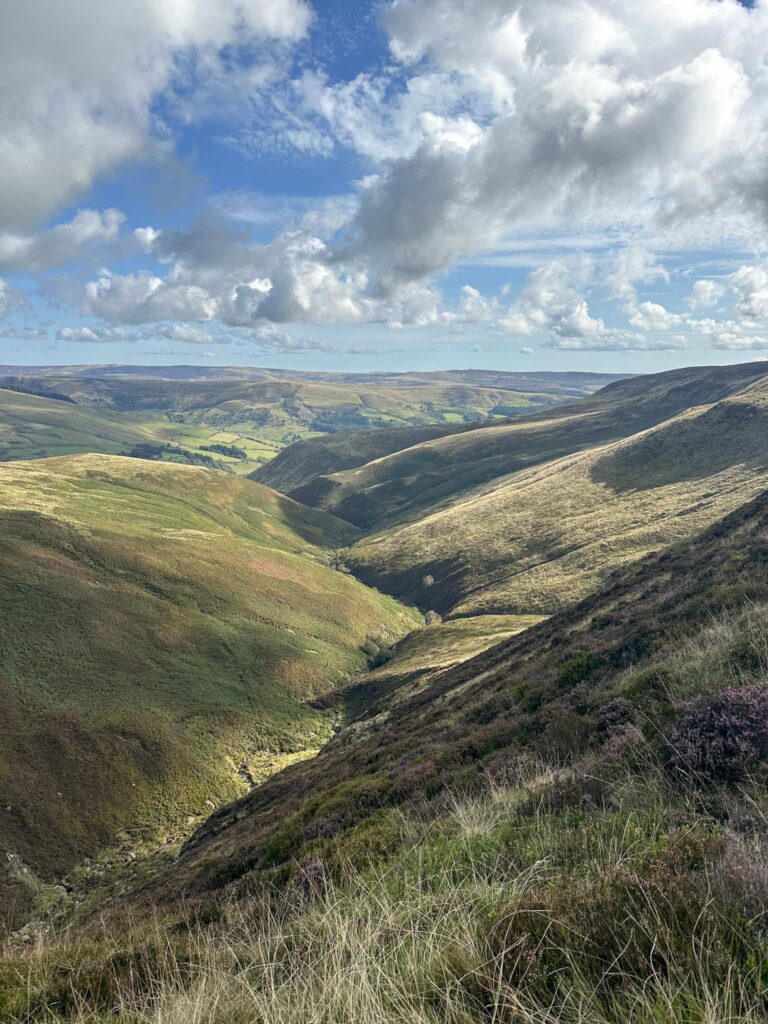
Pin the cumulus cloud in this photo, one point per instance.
(740, 342)
(217, 273)
(79, 81)
(87, 229)
(751, 286)
(591, 114)
(705, 294)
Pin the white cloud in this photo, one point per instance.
(79, 80)
(705, 294)
(652, 316)
(550, 302)
(740, 342)
(217, 274)
(751, 286)
(58, 245)
(588, 115)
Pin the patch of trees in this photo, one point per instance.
(377, 650)
(155, 452)
(11, 384)
(230, 450)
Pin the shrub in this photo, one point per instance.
(721, 738)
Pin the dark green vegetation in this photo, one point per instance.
(528, 516)
(246, 416)
(158, 625)
(546, 832)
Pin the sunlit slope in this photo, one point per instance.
(35, 427)
(242, 424)
(158, 623)
(540, 539)
(660, 633)
(304, 461)
(425, 475)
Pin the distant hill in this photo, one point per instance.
(575, 382)
(254, 413)
(159, 625)
(421, 474)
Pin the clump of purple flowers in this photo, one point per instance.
(722, 737)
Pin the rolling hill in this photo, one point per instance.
(242, 419)
(421, 475)
(537, 540)
(34, 427)
(159, 626)
(562, 828)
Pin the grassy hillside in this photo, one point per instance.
(540, 539)
(243, 423)
(570, 827)
(32, 427)
(663, 632)
(159, 624)
(424, 475)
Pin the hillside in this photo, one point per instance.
(240, 423)
(34, 427)
(540, 690)
(539, 539)
(423, 475)
(563, 828)
(160, 626)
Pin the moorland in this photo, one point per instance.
(445, 720)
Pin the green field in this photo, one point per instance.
(158, 625)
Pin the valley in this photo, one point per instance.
(430, 697)
(160, 624)
(239, 420)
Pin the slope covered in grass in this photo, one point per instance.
(33, 427)
(542, 538)
(422, 476)
(570, 827)
(158, 624)
(671, 628)
(261, 416)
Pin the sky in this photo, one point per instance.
(404, 184)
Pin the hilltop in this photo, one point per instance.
(160, 626)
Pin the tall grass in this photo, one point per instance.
(505, 909)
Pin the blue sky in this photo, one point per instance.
(522, 184)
